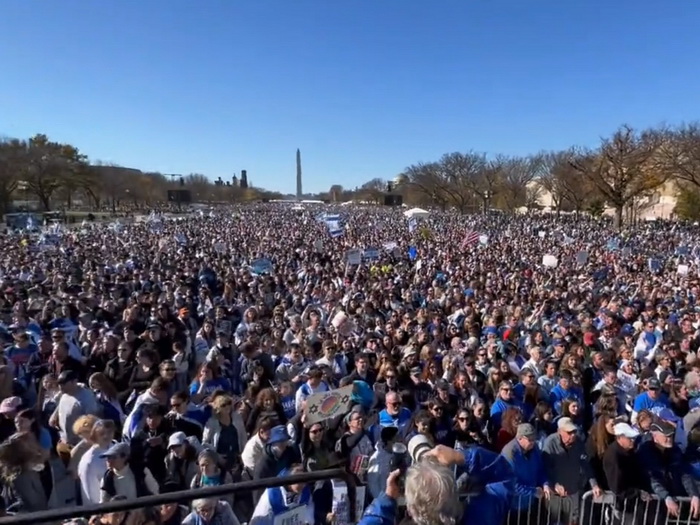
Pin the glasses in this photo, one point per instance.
(316, 430)
(395, 404)
(462, 418)
(437, 409)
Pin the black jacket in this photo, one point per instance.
(623, 472)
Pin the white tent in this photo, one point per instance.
(416, 213)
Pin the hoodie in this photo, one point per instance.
(378, 470)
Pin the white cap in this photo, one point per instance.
(177, 439)
(623, 429)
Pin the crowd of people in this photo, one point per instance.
(538, 357)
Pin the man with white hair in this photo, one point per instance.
(431, 497)
(432, 494)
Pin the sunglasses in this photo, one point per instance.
(462, 419)
(318, 430)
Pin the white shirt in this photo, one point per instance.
(91, 470)
(252, 452)
(263, 514)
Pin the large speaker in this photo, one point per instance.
(393, 200)
(180, 196)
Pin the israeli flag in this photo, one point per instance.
(30, 223)
(412, 224)
(335, 225)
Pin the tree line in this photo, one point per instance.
(59, 176)
(623, 172)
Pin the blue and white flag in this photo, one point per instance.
(30, 223)
(335, 225)
(412, 224)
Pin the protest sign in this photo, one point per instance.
(549, 261)
(354, 257)
(295, 516)
(327, 405)
(683, 269)
(483, 240)
(371, 254)
(260, 266)
(581, 258)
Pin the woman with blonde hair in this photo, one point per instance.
(83, 429)
(225, 431)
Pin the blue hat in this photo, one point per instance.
(119, 449)
(666, 414)
(278, 434)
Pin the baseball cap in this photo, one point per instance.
(442, 384)
(665, 428)
(278, 434)
(120, 449)
(566, 425)
(177, 439)
(10, 404)
(67, 376)
(526, 430)
(653, 384)
(623, 429)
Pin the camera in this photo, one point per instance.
(418, 446)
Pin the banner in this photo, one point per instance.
(327, 405)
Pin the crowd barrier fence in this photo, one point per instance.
(87, 511)
(605, 510)
(570, 510)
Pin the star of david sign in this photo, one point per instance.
(345, 399)
(313, 409)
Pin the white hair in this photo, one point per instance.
(431, 495)
(199, 503)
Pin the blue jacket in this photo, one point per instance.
(497, 409)
(558, 395)
(529, 473)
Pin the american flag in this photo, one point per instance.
(471, 237)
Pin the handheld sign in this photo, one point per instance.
(581, 258)
(683, 269)
(483, 240)
(371, 254)
(327, 405)
(354, 257)
(550, 261)
(295, 516)
(260, 266)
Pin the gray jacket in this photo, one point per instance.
(570, 467)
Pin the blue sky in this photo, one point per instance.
(364, 88)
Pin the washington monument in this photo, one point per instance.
(299, 192)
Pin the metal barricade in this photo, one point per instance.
(113, 507)
(538, 510)
(612, 510)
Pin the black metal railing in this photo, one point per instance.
(63, 514)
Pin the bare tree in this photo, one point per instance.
(430, 180)
(625, 168)
(517, 175)
(463, 175)
(680, 153)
